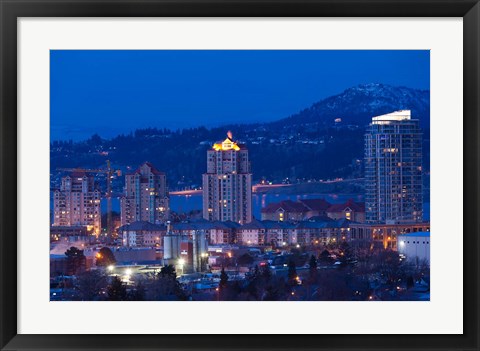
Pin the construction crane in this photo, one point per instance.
(109, 171)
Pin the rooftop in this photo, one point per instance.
(352, 205)
(149, 165)
(228, 144)
(316, 204)
(420, 234)
(286, 205)
(142, 225)
(394, 116)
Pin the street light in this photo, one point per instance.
(181, 262)
(111, 268)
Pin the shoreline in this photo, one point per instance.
(346, 187)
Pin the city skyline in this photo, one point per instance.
(325, 205)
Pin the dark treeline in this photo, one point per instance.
(297, 153)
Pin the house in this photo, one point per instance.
(284, 211)
(295, 211)
(350, 210)
(316, 207)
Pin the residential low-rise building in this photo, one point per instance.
(284, 211)
(305, 209)
(142, 233)
(316, 207)
(280, 234)
(252, 233)
(350, 210)
(71, 234)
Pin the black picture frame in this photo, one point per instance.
(11, 10)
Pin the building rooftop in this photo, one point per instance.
(421, 234)
(254, 224)
(354, 206)
(228, 144)
(316, 204)
(142, 225)
(394, 116)
(286, 205)
(149, 165)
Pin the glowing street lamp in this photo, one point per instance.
(111, 268)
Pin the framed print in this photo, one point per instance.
(262, 175)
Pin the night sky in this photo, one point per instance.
(113, 92)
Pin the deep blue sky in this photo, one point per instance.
(112, 92)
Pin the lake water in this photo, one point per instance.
(182, 203)
(186, 203)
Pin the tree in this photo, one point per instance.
(325, 258)
(265, 273)
(292, 273)
(105, 257)
(223, 279)
(76, 261)
(168, 271)
(164, 285)
(90, 285)
(346, 253)
(245, 259)
(313, 268)
(137, 294)
(116, 291)
(272, 293)
(410, 282)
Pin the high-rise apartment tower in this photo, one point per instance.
(227, 185)
(146, 196)
(393, 169)
(77, 202)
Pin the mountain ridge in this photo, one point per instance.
(311, 144)
(356, 105)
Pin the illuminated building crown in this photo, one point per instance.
(227, 144)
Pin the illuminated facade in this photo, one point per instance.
(227, 185)
(146, 196)
(77, 202)
(393, 169)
